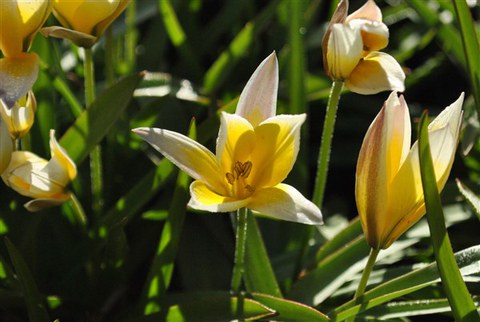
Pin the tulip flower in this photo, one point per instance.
(19, 118)
(84, 20)
(43, 180)
(388, 188)
(255, 151)
(19, 21)
(350, 51)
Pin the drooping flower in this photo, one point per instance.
(43, 180)
(19, 23)
(84, 20)
(255, 151)
(19, 118)
(351, 51)
(388, 188)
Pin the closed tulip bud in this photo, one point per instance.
(350, 51)
(84, 20)
(43, 180)
(20, 21)
(388, 187)
(6, 147)
(19, 118)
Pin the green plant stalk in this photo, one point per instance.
(131, 36)
(459, 298)
(109, 56)
(239, 261)
(78, 210)
(96, 154)
(326, 144)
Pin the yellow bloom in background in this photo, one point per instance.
(19, 22)
(19, 118)
(43, 180)
(388, 188)
(6, 146)
(255, 151)
(350, 51)
(84, 20)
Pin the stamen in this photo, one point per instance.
(230, 178)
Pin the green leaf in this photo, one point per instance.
(471, 47)
(472, 198)
(289, 311)
(259, 275)
(95, 122)
(161, 269)
(211, 307)
(457, 293)
(467, 261)
(37, 311)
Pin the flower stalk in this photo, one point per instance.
(240, 238)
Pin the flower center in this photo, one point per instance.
(237, 179)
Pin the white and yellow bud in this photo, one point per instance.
(19, 118)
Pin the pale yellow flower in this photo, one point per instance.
(84, 20)
(388, 189)
(350, 51)
(255, 152)
(19, 118)
(43, 180)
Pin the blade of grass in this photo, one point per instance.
(457, 293)
(37, 311)
(472, 198)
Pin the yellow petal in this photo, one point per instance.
(19, 118)
(286, 203)
(190, 156)
(44, 203)
(6, 147)
(60, 167)
(344, 51)
(17, 76)
(369, 11)
(277, 145)
(236, 141)
(19, 21)
(374, 34)
(258, 100)
(202, 198)
(84, 15)
(375, 73)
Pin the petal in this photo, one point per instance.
(451, 116)
(187, 154)
(375, 73)
(19, 21)
(60, 167)
(277, 145)
(374, 34)
(286, 203)
(258, 100)
(236, 141)
(44, 203)
(369, 11)
(17, 76)
(344, 51)
(384, 149)
(202, 198)
(6, 147)
(80, 39)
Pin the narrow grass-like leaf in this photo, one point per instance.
(411, 308)
(457, 293)
(470, 46)
(95, 122)
(259, 275)
(161, 269)
(296, 82)
(467, 261)
(237, 49)
(472, 198)
(289, 310)
(37, 311)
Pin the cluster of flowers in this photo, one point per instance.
(83, 21)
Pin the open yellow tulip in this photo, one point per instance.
(388, 188)
(350, 51)
(19, 23)
(35, 177)
(255, 152)
(84, 20)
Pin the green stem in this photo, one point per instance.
(96, 154)
(109, 57)
(78, 210)
(325, 147)
(362, 285)
(241, 233)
